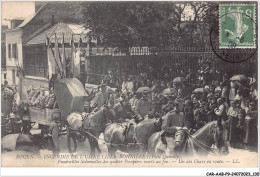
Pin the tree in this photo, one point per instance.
(152, 24)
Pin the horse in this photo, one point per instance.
(200, 142)
(129, 137)
(92, 127)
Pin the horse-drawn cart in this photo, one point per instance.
(70, 97)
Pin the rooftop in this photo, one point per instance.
(68, 29)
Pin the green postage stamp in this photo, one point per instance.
(237, 26)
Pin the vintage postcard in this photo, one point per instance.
(129, 84)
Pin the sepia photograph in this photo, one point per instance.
(129, 84)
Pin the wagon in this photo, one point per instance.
(70, 95)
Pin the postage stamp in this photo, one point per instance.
(237, 26)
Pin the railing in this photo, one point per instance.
(137, 51)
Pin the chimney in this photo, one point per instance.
(52, 19)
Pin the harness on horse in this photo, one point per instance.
(127, 126)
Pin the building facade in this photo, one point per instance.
(35, 58)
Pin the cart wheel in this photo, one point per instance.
(71, 141)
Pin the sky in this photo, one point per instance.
(12, 9)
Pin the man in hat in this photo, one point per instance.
(123, 109)
(144, 107)
(103, 96)
(174, 127)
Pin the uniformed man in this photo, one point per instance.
(174, 127)
(123, 109)
(101, 97)
(144, 107)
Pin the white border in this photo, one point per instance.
(119, 171)
(126, 171)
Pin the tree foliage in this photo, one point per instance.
(152, 24)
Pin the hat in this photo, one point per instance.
(210, 95)
(206, 87)
(217, 89)
(220, 100)
(56, 116)
(192, 96)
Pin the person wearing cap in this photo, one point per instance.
(54, 131)
(144, 107)
(123, 109)
(174, 128)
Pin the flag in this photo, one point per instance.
(53, 68)
(77, 57)
(57, 57)
(63, 59)
(72, 55)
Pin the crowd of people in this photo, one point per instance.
(203, 96)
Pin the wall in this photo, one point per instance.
(13, 37)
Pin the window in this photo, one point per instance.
(14, 51)
(9, 51)
(36, 61)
